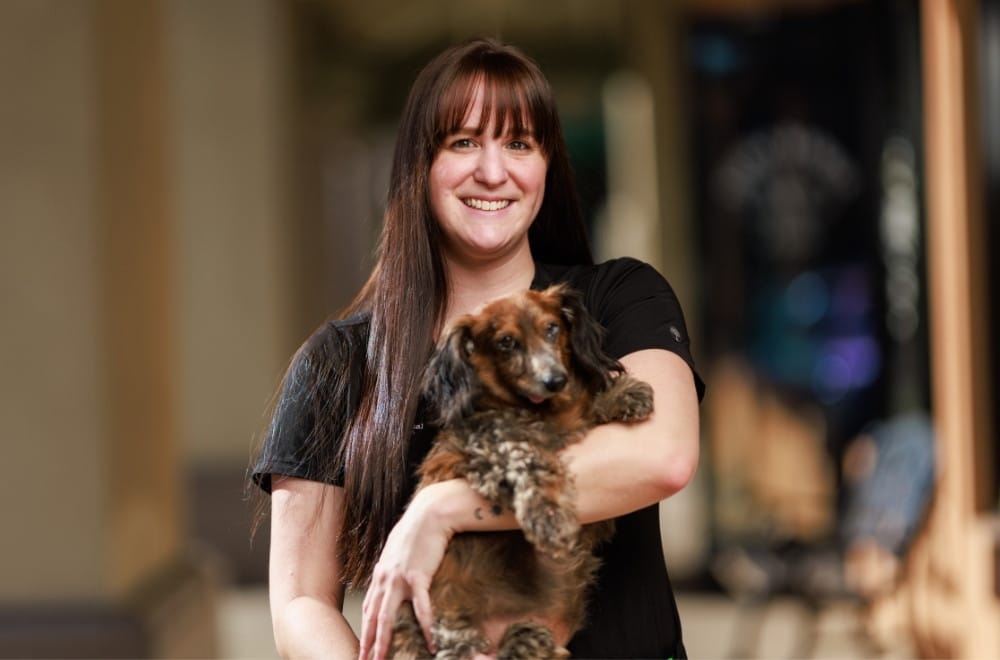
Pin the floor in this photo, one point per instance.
(714, 627)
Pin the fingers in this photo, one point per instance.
(378, 613)
(384, 623)
(380, 610)
(424, 613)
(412, 555)
(369, 608)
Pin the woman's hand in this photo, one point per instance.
(409, 560)
(412, 555)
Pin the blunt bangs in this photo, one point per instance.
(516, 99)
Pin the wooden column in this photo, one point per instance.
(136, 239)
(950, 585)
(94, 562)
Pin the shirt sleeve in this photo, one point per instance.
(295, 445)
(639, 310)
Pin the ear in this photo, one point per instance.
(586, 336)
(450, 383)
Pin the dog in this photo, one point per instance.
(511, 386)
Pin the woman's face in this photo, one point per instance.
(486, 191)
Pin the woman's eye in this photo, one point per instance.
(519, 145)
(552, 331)
(461, 143)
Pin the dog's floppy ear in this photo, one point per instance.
(586, 337)
(450, 383)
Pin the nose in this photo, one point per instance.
(490, 167)
(554, 381)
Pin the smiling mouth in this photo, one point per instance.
(485, 205)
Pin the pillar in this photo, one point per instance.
(94, 562)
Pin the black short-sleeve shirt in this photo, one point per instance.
(632, 612)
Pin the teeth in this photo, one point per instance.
(483, 205)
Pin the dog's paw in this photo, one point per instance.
(552, 529)
(628, 400)
(457, 640)
(637, 401)
(529, 641)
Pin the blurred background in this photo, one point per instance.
(189, 187)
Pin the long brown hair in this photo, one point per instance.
(405, 295)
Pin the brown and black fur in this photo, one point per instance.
(513, 385)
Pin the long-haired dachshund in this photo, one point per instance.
(512, 386)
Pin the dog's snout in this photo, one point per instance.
(554, 381)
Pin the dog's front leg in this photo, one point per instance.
(543, 499)
(486, 446)
(508, 463)
(460, 453)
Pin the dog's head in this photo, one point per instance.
(534, 348)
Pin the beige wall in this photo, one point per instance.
(227, 60)
(52, 367)
(87, 361)
(143, 266)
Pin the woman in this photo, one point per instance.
(481, 204)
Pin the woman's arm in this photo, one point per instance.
(618, 469)
(306, 593)
(621, 468)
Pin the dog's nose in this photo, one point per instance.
(555, 381)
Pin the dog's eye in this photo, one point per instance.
(552, 331)
(506, 343)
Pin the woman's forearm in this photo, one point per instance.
(459, 508)
(611, 482)
(620, 468)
